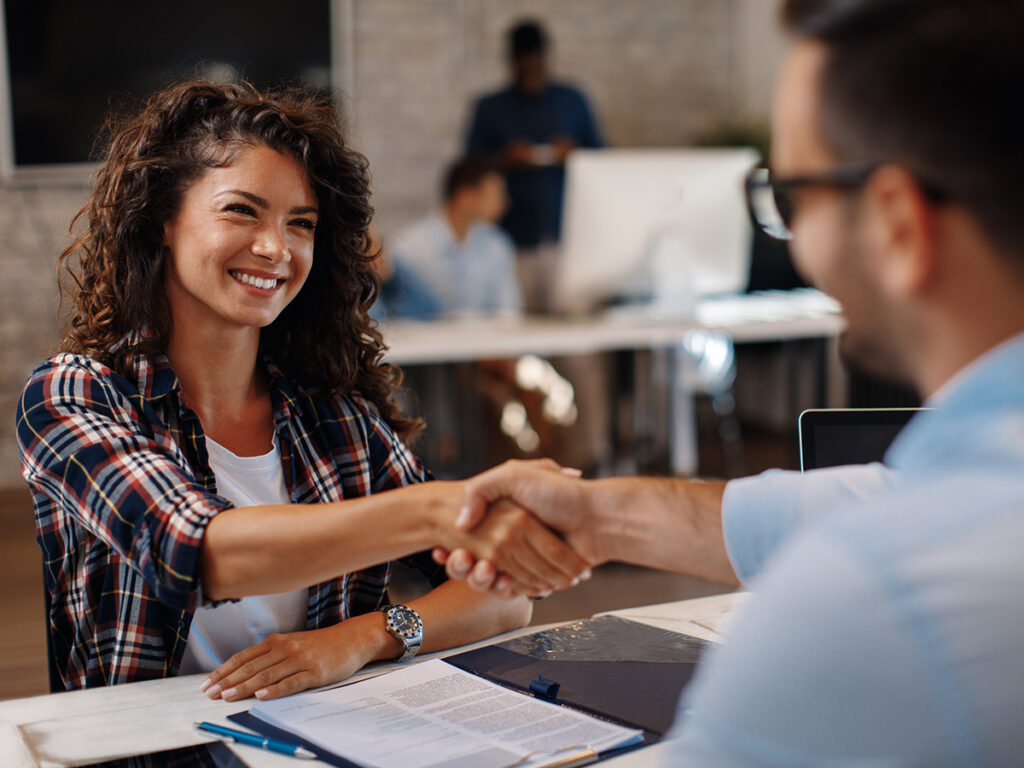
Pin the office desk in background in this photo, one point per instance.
(79, 727)
(769, 316)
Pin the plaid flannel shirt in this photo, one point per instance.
(123, 491)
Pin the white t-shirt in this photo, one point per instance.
(221, 631)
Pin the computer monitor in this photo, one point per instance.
(832, 437)
(655, 226)
(64, 65)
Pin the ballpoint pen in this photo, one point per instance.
(255, 740)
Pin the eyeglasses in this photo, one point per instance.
(770, 200)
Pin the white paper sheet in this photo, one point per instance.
(436, 714)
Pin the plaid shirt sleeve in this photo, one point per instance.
(91, 443)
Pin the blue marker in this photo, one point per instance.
(254, 740)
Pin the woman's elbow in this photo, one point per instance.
(518, 613)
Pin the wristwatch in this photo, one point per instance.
(405, 624)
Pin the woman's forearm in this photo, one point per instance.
(277, 548)
(455, 614)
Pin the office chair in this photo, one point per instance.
(56, 683)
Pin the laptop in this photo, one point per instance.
(832, 437)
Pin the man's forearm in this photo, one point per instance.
(669, 524)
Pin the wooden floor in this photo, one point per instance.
(22, 640)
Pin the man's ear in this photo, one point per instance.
(904, 230)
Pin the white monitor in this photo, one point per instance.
(656, 226)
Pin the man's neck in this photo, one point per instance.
(459, 221)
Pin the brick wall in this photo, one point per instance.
(659, 73)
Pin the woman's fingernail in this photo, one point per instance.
(206, 684)
(212, 693)
(576, 581)
(262, 693)
(463, 517)
(229, 694)
(572, 471)
(586, 575)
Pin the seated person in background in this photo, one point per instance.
(458, 253)
(218, 424)
(402, 293)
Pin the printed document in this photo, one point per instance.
(434, 714)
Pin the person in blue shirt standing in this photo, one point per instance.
(886, 630)
(530, 127)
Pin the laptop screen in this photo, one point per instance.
(834, 437)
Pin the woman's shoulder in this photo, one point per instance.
(70, 377)
(66, 366)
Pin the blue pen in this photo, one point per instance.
(254, 740)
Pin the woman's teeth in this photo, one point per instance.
(255, 282)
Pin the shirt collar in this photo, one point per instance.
(979, 396)
(156, 380)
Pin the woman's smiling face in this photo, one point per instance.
(241, 244)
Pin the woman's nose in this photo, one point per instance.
(271, 243)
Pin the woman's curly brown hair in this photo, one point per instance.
(324, 339)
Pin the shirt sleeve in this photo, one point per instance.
(762, 512)
(83, 446)
(819, 668)
(590, 134)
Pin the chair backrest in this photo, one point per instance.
(56, 683)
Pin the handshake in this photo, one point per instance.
(533, 527)
(522, 529)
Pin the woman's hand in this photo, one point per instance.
(284, 664)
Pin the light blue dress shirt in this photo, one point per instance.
(472, 278)
(890, 632)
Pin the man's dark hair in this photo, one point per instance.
(936, 86)
(467, 172)
(525, 38)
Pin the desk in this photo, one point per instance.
(758, 317)
(80, 727)
(766, 316)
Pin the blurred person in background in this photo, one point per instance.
(458, 253)
(530, 127)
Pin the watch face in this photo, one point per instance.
(405, 623)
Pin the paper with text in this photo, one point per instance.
(434, 714)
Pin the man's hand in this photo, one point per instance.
(553, 494)
(534, 560)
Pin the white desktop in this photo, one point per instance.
(656, 227)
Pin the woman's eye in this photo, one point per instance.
(305, 223)
(242, 208)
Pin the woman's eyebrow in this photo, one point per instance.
(262, 202)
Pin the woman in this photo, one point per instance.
(218, 418)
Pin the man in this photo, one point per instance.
(530, 127)
(884, 633)
(457, 253)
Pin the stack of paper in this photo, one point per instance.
(434, 714)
